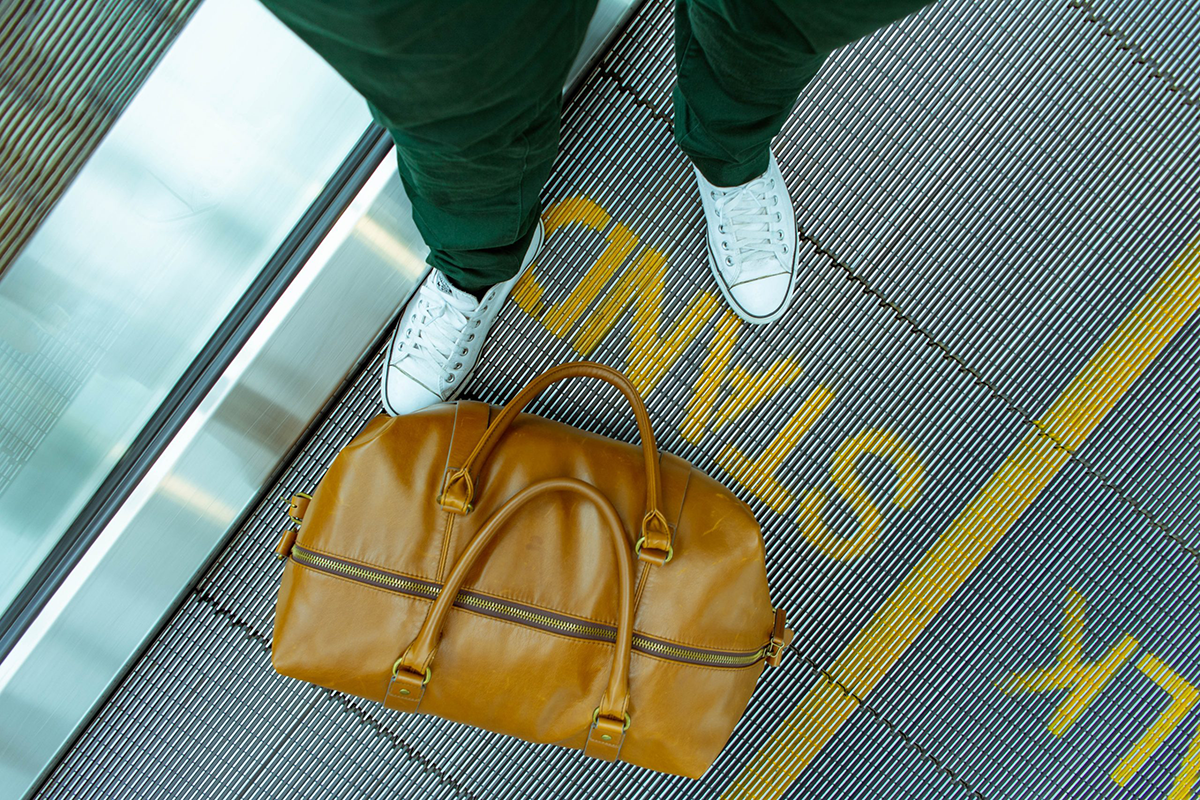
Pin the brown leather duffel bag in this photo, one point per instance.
(510, 572)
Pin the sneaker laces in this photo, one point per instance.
(746, 219)
(439, 315)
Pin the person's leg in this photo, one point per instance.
(470, 91)
(743, 63)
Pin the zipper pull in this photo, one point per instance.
(296, 510)
(781, 637)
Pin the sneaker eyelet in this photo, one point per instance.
(465, 351)
(449, 379)
(785, 248)
(476, 325)
(721, 228)
(458, 365)
(712, 195)
(724, 245)
(471, 338)
(728, 261)
(778, 217)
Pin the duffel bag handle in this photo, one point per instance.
(457, 496)
(412, 670)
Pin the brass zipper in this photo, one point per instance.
(523, 614)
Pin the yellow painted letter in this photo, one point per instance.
(1084, 681)
(1184, 697)
(1185, 779)
(845, 478)
(747, 389)
(759, 475)
(650, 355)
(621, 242)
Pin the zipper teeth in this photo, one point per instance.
(581, 628)
(687, 654)
(362, 573)
(577, 628)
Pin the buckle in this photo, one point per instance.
(596, 718)
(296, 509)
(781, 637)
(398, 666)
(666, 557)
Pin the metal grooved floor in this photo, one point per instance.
(985, 191)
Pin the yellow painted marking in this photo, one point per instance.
(844, 475)
(1084, 681)
(527, 294)
(643, 285)
(562, 316)
(1184, 698)
(759, 475)
(1189, 770)
(747, 389)
(572, 210)
(1107, 376)
(713, 373)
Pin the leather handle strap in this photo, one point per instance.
(412, 670)
(459, 491)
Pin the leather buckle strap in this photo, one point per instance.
(651, 554)
(470, 424)
(286, 542)
(606, 736)
(458, 493)
(655, 545)
(406, 688)
(299, 506)
(781, 637)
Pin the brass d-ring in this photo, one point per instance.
(396, 671)
(637, 549)
(596, 718)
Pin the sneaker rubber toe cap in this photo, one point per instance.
(764, 297)
(403, 395)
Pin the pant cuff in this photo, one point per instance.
(725, 173)
(475, 270)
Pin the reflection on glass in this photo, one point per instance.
(228, 142)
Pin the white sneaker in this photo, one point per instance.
(437, 341)
(752, 243)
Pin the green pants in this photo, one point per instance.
(470, 91)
